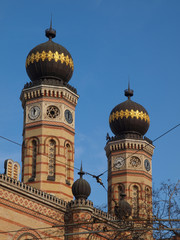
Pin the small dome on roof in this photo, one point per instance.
(81, 188)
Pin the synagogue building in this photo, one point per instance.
(47, 203)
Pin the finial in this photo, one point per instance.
(122, 195)
(50, 32)
(128, 92)
(81, 173)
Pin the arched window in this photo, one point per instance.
(16, 171)
(28, 236)
(34, 155)
(33, 160)
(148, 202)
(120, 191)
(51, 160)
(67, 162)
(135, 201)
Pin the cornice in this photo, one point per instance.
(50, 91)
(82, 204)
(129, 144)
(33, 193)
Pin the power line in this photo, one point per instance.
(29, 148)
(154, 221)
(112, 230)
(97, 177)
(9, 140)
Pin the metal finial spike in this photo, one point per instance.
(81, 173)
(81, 167)
(122, 195)
(128, 83)
(50, 32)
(128, 92)
(51, 22)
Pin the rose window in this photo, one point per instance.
(52, 111)
(135, 162)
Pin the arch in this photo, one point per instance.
(148, 201)
(117, 190)
(68, 161)
(139, 189)
(33, 159)
(51, 159)
(28, 146)
(16, 171)
(26, 233)
(46, 144)
(121, 189)
(34, 156)
(135, 201)
(32, 149)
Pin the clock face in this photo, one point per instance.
(119, 162)
(34, 112)
(147, 165)
(68, 116)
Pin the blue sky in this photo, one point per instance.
(110, 41)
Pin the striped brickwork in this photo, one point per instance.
(55, 174)
(132, 177)
(27, 213)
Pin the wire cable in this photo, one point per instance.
(98, 179)
(29, 148)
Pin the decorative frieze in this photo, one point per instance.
(33, 191)
(129, 144)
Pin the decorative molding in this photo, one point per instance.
(36, 57)
(129, 113)
(33, 191)
(31, 205)
(129, 144)
(50, 91)
(83, 204)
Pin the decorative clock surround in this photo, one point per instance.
(34, 112)
(119, 162)
(68, 116)
(147, 165)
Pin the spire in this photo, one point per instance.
(81, 173)
(128, 92)
(50, 32)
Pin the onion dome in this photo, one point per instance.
(49, 60)
(81, 188)
(124, 209)
(129, 117)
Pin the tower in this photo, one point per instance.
(129, 156)
(49, 119)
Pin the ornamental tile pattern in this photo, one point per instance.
(26, 203)
(132, 114)
(49, 56)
